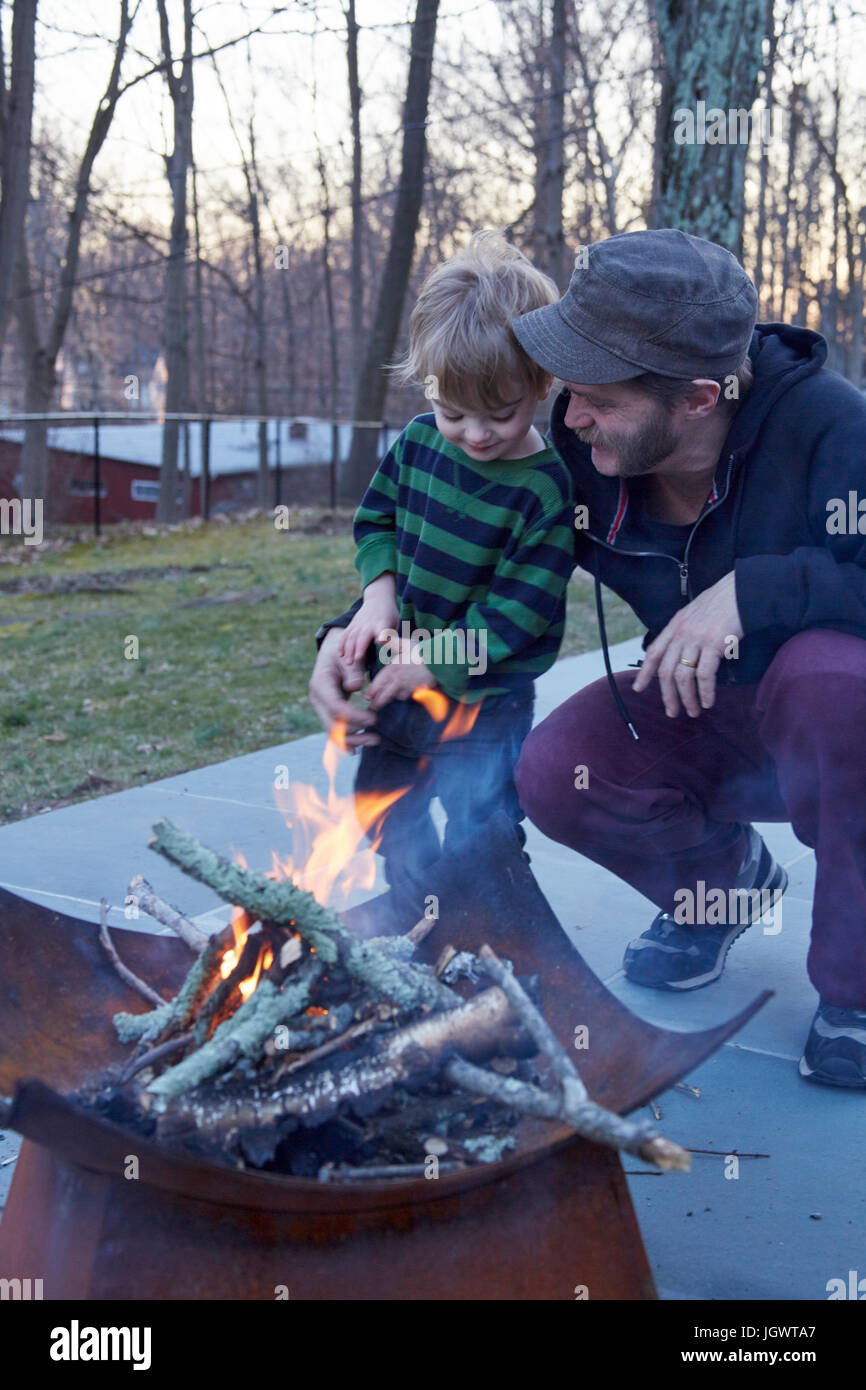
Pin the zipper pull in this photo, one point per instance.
(684, 580)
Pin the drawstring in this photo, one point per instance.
(607, 666)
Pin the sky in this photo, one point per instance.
(296, 69)
(294, 75)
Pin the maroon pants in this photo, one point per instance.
(668, 810)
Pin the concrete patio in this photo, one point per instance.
(786, 1225)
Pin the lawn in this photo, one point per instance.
(222, 618)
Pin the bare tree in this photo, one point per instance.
(16, 120)
(356, 273)
(177, 163)
(549, 238)
(372, 381)
(41, 353)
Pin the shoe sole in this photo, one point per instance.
(819, 1079)
(776, 882)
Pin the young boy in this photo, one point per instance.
(465, 548)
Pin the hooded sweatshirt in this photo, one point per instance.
(793, 461)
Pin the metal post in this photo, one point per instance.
(205, 469)
(335, 463)
(97, 481)
(278, 470)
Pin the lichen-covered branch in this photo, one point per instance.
(482, 1027)
(282, 902)
(246, 1032)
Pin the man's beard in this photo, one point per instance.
(641, 452)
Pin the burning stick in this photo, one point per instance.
(421, 929)
(246, 1031)
(163, 912)
(283, 903)
(482, 1027)
(168, 1018)
(123, 970)
(357, 1030)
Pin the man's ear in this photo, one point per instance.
(704, 396)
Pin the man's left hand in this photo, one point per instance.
(686, 655)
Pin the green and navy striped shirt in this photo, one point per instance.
(473, 545)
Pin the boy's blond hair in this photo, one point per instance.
(461, 345)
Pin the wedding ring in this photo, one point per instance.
(683, 662)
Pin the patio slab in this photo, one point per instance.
(765, 1241)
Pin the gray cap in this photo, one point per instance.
(661, 301)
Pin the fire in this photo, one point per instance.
(328, 855)
(462, 720)
(435, 703)
(240, 927)
(247, 986)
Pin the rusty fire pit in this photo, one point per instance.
(548, 1222)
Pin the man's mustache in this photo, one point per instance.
(593, 437)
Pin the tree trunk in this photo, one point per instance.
(551, 158)
(176, 332)
(761, 230)
(261, 351)
(41, 358)
(369, 397)
(15, 161)
(701, 185)
(334, 361)
(356, 271)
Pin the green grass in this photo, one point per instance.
(77, 718)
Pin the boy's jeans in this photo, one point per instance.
(473, 776)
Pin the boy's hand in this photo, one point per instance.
(398, 679)
(377, 613)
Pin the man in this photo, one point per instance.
(712, 461)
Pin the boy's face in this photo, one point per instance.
(492, 434)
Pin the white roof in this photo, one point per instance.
(234, 444)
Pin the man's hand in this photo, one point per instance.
(331, 683)
(686, 655)
(399, 678)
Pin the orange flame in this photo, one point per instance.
(327, 832)
(240, 927)
(328, 854)
(247, 986)
(436, 704)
